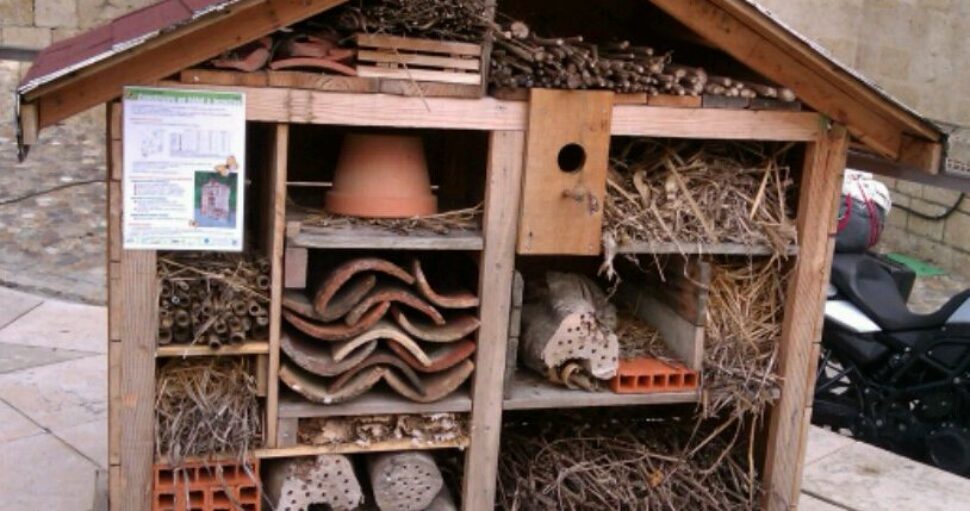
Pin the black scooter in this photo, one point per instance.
(890, 377)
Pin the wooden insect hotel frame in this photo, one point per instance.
(498, 148)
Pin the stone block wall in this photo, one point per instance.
(36, 23)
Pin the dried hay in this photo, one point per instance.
(638, 339)
(459, 220)
(688, 193)
(746, 302)
(206, 407)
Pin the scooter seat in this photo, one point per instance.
(871, 288)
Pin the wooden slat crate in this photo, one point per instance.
(405, 58)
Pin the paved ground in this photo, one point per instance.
(53, 402)
(52, 243)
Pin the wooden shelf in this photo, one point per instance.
(390, 445)
(377, 401)
(529, 392)
(367, 237)
(203, 350)
(670, 247)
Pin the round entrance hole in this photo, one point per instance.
(571, 158)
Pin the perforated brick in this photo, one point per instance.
(646, 375)
(206, 486)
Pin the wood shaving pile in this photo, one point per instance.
(715, 192)
(206, 407)
(367, 430)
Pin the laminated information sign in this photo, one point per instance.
(184, 169)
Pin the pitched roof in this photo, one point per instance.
(154, 42)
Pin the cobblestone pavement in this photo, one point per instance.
(930, 293)
(53, 243)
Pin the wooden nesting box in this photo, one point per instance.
(518, 156)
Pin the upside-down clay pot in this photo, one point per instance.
(381, 176)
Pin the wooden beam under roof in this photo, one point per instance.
(168, 54)
(768, 48)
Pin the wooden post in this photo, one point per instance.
(502, 192)
(113, 213)
(277, 179)
(802, 325)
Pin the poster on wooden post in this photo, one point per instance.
(184, 169)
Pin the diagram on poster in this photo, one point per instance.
(184, 169)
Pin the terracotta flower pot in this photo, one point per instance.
(381, 176)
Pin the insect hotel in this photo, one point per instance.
(524, 255)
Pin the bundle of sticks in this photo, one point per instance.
(212, 298)
(523, 59)
(715, 192)
(605, 461)
(206, 406)
(451, 20)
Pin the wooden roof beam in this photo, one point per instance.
(739, 30)
(169, 54)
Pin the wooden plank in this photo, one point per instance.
(139, 328)
(295, 263)
(385, 446)
(515, 328)
(261, 372)
(531, 392)
(502, 199)
(203, 350)
(322, 82)
(169, 53)
(29, 123)
(916, 153)
(761, 44)
(287, 432)
(684, 338)
(630, 98)
(367, 237)
(416, 44)
(670, 100)
(697, 123)
(683, 286)
(277, 180)
(114, 488)
(802, 324)
(717, 101)
(418, 60)
(430, 89)
(774, 104)
(375, 402)
(561, 207)
(313, 107)
(114, 404)
(421, 75)
(664, 247)
(114, 220)
(222, 77)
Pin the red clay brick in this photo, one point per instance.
(646, 375)
(197, 486)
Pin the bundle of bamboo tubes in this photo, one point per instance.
(212, 298)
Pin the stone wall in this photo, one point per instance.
(917, 51)
(37, 23)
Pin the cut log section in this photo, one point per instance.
(443, 501)
(337, 331)
(570, 322)
(441, 357)
(434, 386)
(382, 330)
(339, 305)
(386, 360)
(317, 357)
(452, 300)
(316, 389)
(393, 293)
(328, 288)
(404, 481)
(295, 484)
(455, 328)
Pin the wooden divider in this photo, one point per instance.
(503, 189)
(802, 325)
(277, 179)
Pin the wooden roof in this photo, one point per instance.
(159, 40)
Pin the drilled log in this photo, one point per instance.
(404, 481)
(297, 483)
